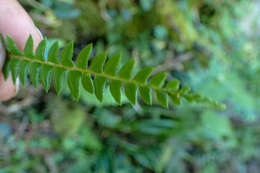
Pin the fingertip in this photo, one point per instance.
(7, 88)
(15, 22)
(19, 24)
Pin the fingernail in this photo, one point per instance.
(39, 33)
(2, 54)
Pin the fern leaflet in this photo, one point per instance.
(46, 66)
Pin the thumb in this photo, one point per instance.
(14, 21)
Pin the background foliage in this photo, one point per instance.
(209, 45)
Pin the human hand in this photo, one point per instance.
(15, 22)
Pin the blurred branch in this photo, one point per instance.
(176, 63)
(104, 14)
(51, 165)
(49, 20)
(21, 129)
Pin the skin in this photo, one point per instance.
(15, 22)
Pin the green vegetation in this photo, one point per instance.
(63, 71)
(211, 46)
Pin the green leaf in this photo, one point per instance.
(185, 90)
(98, 63)
(196, 96)
(14, 67)
(115, 89)
(146, 94)
(12, 47)
(73, 83)
(143, 75)
(66, 55)
(53, 53)
(6, 68)
(131, 92)
(87, 83)
(99, 83)
(35, 73)
(46, 74)
(82, 58)
(112, 65)
(59, 79)
(49, 68)
(158, 79)
(176, 99)
(162, 98)
(127, 70)
(190, 98)
(40, 50)
(23, 72)
(28, 49)
(4, 43)
(173, 85)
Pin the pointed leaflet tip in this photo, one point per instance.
(112, 64)
(83, 57)
(174, 85)
(66, 55)
(40, 50)
(54, 53)
(127, 70)
(158, 79)
(12, 46)
(143, 75)
(98, 63)
(28, 48)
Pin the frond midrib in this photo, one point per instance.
(88, 71)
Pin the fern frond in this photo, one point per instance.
(45, 66)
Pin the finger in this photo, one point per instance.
(15, 22)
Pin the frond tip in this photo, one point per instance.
(45, 66)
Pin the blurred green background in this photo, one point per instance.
(211, 45)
